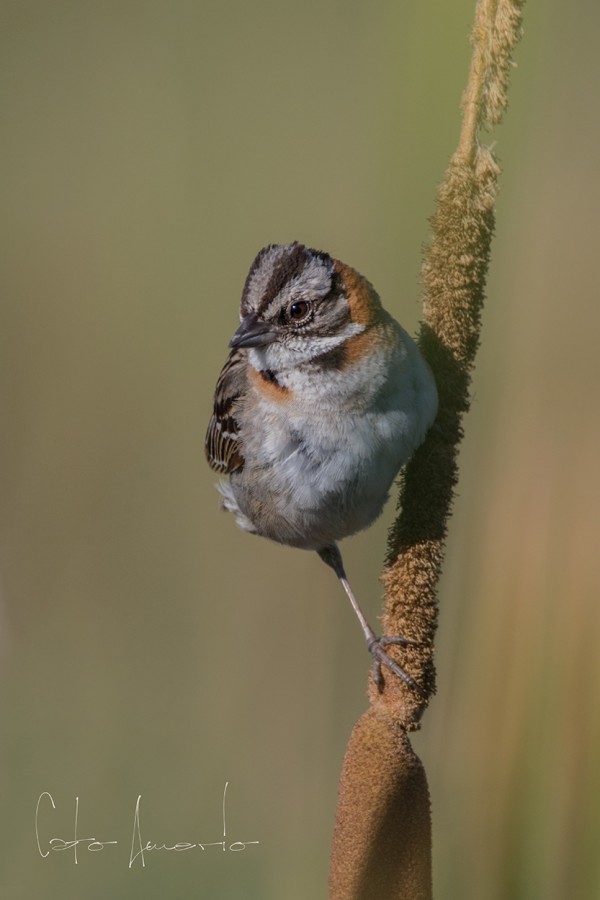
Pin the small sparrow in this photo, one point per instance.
(321, 400)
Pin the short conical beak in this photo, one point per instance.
(253, 333)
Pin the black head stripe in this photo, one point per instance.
(273, 268)
(289, 265)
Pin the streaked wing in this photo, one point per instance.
(222, 445)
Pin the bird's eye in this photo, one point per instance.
(299, 310)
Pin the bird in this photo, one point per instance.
(322, 399)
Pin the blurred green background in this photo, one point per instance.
(149, 149)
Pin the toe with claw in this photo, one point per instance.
(380, 658)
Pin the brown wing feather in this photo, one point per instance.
(222, 445)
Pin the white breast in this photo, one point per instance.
(333, 449)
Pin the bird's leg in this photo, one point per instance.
(332, 556)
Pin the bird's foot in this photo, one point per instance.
(380, 658)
